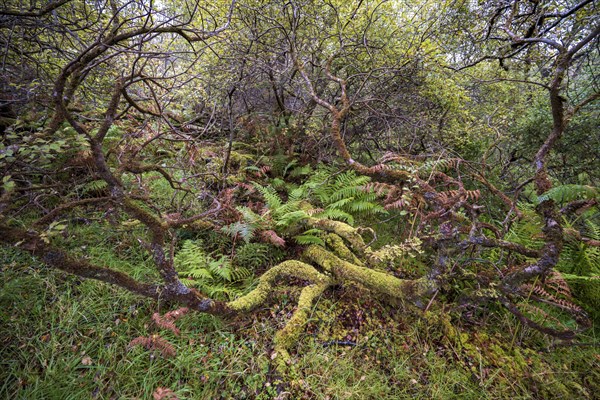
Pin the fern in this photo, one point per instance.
(256, 255)
(309, 237)
(301, 171)
(270, 195)
(240, 229)
(333, 213)
(252, 255)
(291, 218)
(567, 193)
(338, 196)
(94, 188)
(220, 269)
(528, 231)
(248, 225)
(215, 277)
(347, 192)
(442, 165)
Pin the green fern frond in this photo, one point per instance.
(334, 213)
(435, 165)
(278, 183)
(241, 229)
(240, 273)
(528, 231)
(301, 171)
(190, 256)
(220, 291)
(302, 192)
(566, 193)
(199, 273)
(248, 215)
(215, 277)
(340, 203)
(189, 282)
(221, 268)
(256, 255)
(291, 218)
(270, 195)
(592, 230)
(94, 187)
(308, 239)
(289, 166)
(366, 207)
(289, 207)
(577, 257)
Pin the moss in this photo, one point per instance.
(201, 225)
(288, 336)
(347, 232)
(156, 226)
(336, 244)
(291, 268)
(379, 282)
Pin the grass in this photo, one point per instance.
(64, 338)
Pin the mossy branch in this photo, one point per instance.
(412, 291)
(287, 337)
(266, 285)
(343, 230)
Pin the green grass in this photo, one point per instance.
(64, 338)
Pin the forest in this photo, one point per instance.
(302, 199)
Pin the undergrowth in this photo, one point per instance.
(65, 337)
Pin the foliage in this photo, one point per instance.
(154, 145)
(257, 255)
(215, 276)
(563, 194)
(81, 348)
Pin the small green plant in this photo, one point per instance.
(215, 276)
(257, 255)
(325, 195)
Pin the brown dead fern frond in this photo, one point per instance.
(449, 196)
(164, 394)
(541, 314)
(379, 188)
(164, 323)
(554, 291)
(556, 282)
(174, 315)
(167, 321)
(155, 343)
(270, 236)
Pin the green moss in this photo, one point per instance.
(291, 268)
(379, 282)
(350, 234)
(336, 244)
(288, 336)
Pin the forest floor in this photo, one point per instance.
(64, 338)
